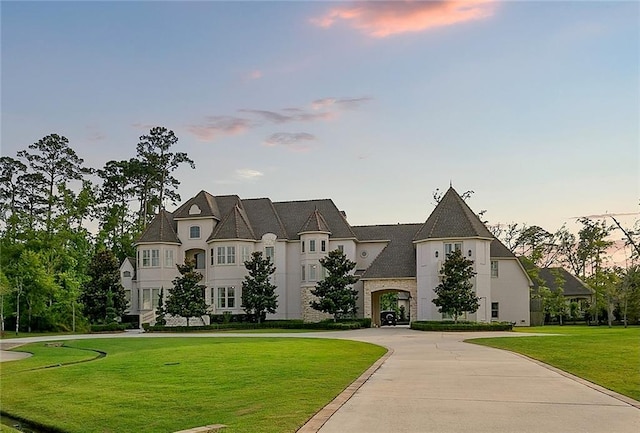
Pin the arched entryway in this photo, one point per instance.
(381, 293)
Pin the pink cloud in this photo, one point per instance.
(216, 126)
(255, 74)
(380, 19)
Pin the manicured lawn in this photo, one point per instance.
(169, 384)
(609, 357)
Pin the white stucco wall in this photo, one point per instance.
(511, 291)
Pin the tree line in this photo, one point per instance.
(58, 272)
(586, 255)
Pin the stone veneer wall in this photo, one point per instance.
(407, 285)
(308, 313)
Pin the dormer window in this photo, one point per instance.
(194, 210)
(194, 232)
(126, 274)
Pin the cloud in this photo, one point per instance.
(293, 115)
(380, 19)
(348, 103)
(248, 174)
(294, 141)
(255, 74)
(321, 109)
(215, 126)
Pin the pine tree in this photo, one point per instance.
(187, 296)
(455, 294)
(335, 294)
(258, 294)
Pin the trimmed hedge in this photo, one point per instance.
(269, 324)
(461, 326)
(111, 327)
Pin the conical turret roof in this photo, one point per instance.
(452, 218)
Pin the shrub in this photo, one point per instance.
(269, 324)
(461, 326)
(110, 327)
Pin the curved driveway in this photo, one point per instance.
(433, 382)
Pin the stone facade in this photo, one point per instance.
(372, 302)
(308, 313)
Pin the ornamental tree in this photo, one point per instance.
(455, 295)
(186, 299)
(335, 294)
(259, 295)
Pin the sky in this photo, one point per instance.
(533, 105)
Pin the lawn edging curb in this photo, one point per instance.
(315, 423)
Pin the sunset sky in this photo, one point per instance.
(535, 106)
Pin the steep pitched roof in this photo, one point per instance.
(452, 218)
(263, 217)
(235, 225)
(294, 214)
(398, 258)
(499, 251)
(161, 229)
(205, 202)
(315, 223)
(572, 286)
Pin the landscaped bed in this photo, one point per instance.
(605, 356)
(170, 384)
(450, 326)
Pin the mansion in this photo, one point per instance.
(219, 233)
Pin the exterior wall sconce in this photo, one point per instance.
(436, 254)
(469, 253)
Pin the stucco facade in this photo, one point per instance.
(220, 232)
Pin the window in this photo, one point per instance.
(323, 272)
(451, 247)
(304, 276)
(494, 310)
(312, 246)
(269, 253)
(341, 248)
(194, 232)
(146, 258)
(302, 246)
(155, 297)
(494, 268)
(246, 254)
(146, 299)
(226, 297)
(150, 258)
(126, 274)
(313, 272)
(323, 246)
(168, 259)
(231, 255)
(127, 297)
(226, 255)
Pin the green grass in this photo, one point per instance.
(609, 357)
(169, 384)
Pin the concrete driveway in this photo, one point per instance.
(433, 382)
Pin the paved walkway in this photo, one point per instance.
(433, 382)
